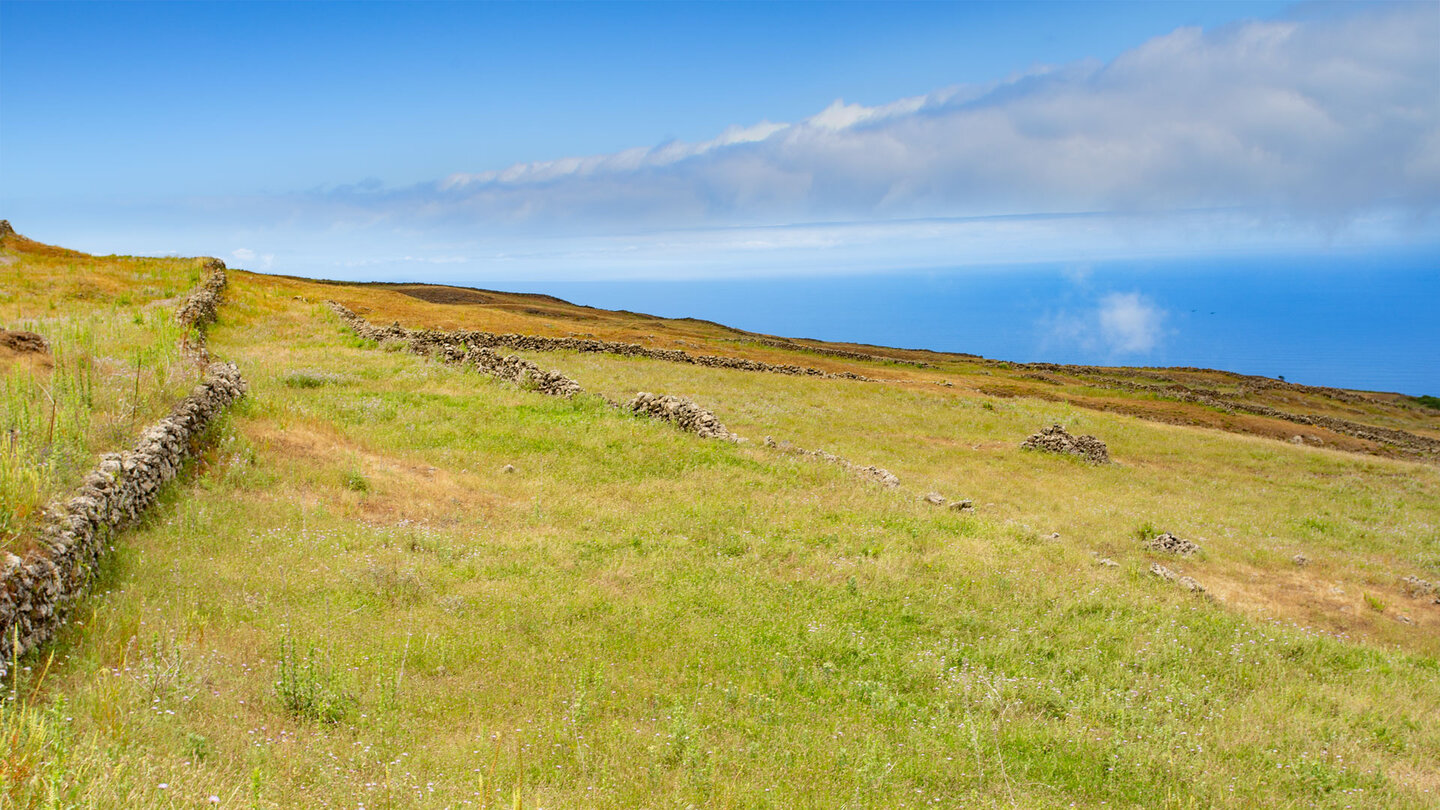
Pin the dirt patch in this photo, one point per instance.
(396, 489)
(1334, 606)
(446, 295)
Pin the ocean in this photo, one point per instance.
(1363, 322)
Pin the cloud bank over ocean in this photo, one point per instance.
(1311, 133)
(1318, 121)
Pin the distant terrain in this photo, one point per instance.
(443, 553)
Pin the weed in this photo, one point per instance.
(355, 480)
(1145, 532)
(308, 688)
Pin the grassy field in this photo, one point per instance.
(348, 601)
(114, 366)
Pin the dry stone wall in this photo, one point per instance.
(468, 348)
(454, 352)
(201, 307)
(845, 354)
(425, 341)
(682, 412)
(38, 590)
(1403, 440)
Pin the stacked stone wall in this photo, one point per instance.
(426, 341)
(38, 591)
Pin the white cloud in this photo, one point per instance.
(1130, 323)
(248, 256)
(1116, 324)
(1320, 119)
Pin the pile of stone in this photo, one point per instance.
(879, 475)
(36, 592)
(1188, 583)
(1055, 439)
(428, 341)
(1167, 543)
(682, 412)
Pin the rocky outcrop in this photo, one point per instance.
(871, 472)
(37, 592)
(685, 414)
(426, 341)
(1055, 439)
(5, 229)
(1416, 587)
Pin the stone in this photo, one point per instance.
(1106, 562)
(965, 505)
(1300, 560)
(508, 468)
(935, 498)
(1190, 584)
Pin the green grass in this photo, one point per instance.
(111, 371)
(637, 617)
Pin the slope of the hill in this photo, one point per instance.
(396, 582)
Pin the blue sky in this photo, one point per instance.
(136, 98)
(512, 145)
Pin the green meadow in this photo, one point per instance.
(391, 583)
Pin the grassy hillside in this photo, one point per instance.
(394, 583)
